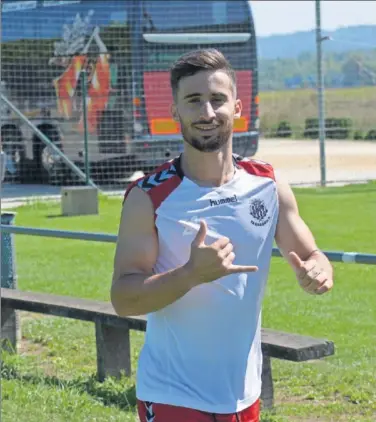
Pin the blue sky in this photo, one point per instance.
(281, 17)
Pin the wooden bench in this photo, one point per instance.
(113, 341)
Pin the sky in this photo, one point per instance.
(282, 17)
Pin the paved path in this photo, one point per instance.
(299, 161)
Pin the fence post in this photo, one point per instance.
(11, 328)
(84, 108)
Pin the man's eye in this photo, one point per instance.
(194, 100)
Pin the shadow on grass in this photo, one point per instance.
(55, 216)
(51, 216)
(361, 188)
(119, 393)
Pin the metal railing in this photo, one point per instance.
(11, 331)
(334, 256)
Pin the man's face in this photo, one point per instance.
(205, 106)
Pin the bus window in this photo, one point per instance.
(185, 16)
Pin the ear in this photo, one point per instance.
(174, 112)
(238, 109)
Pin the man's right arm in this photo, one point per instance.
(135, 289)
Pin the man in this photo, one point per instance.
(193, 252)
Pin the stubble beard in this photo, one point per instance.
(207, 143)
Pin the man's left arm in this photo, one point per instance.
(297, 244)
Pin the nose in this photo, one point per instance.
(207, 111)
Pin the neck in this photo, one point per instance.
(208, 168)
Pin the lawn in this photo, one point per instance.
(53, 376)
(296, 105)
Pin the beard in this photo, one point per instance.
(208, 143)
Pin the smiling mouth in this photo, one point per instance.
(206, 127)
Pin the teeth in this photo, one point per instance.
(206, 127)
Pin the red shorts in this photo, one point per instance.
(154, 412)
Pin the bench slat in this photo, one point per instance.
(276, 344)
(69, 307)
(294, 347)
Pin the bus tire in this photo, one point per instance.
(55, 174)
(49, 168)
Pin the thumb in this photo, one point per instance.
(201, 234)
(295, 261)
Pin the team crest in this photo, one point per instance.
(259, 212)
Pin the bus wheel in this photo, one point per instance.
(49, 167)
(52, 167)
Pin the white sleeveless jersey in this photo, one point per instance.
(204, 350)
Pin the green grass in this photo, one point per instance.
(296, 105)
(53, 376)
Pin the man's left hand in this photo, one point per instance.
(311, 276)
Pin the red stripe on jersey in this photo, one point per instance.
(164, 166)
(162, 191)
(257, 168)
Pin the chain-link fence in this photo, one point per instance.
(93, 76)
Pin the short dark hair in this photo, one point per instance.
(198, 60)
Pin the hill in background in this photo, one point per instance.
(289, 61)
(362, 37)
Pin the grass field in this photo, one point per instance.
(53, 377)
(295, 106)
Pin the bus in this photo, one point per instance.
(109, 61)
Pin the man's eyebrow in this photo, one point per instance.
(195, 94)
(220, 94)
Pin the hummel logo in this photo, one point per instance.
(214, 202)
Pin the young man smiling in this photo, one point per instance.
(193, 253)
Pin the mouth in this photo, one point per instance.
(206, 127)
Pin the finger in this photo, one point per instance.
(295, 261)
(201, 234)
(311, 285)
(227, 262)
(305, 270)
(308, 285)
(313, 274)
(328, 285)
(226, 250)
(242, 269)
(220, 243)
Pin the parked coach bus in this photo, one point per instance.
(125, 49)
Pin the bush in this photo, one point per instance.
(342, 128)
(335, 128)
(358, 135)
(284, 130)
(311, 129)
(371, 135)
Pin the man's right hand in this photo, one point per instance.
(211, 262)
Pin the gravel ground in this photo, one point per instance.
(298, 161)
